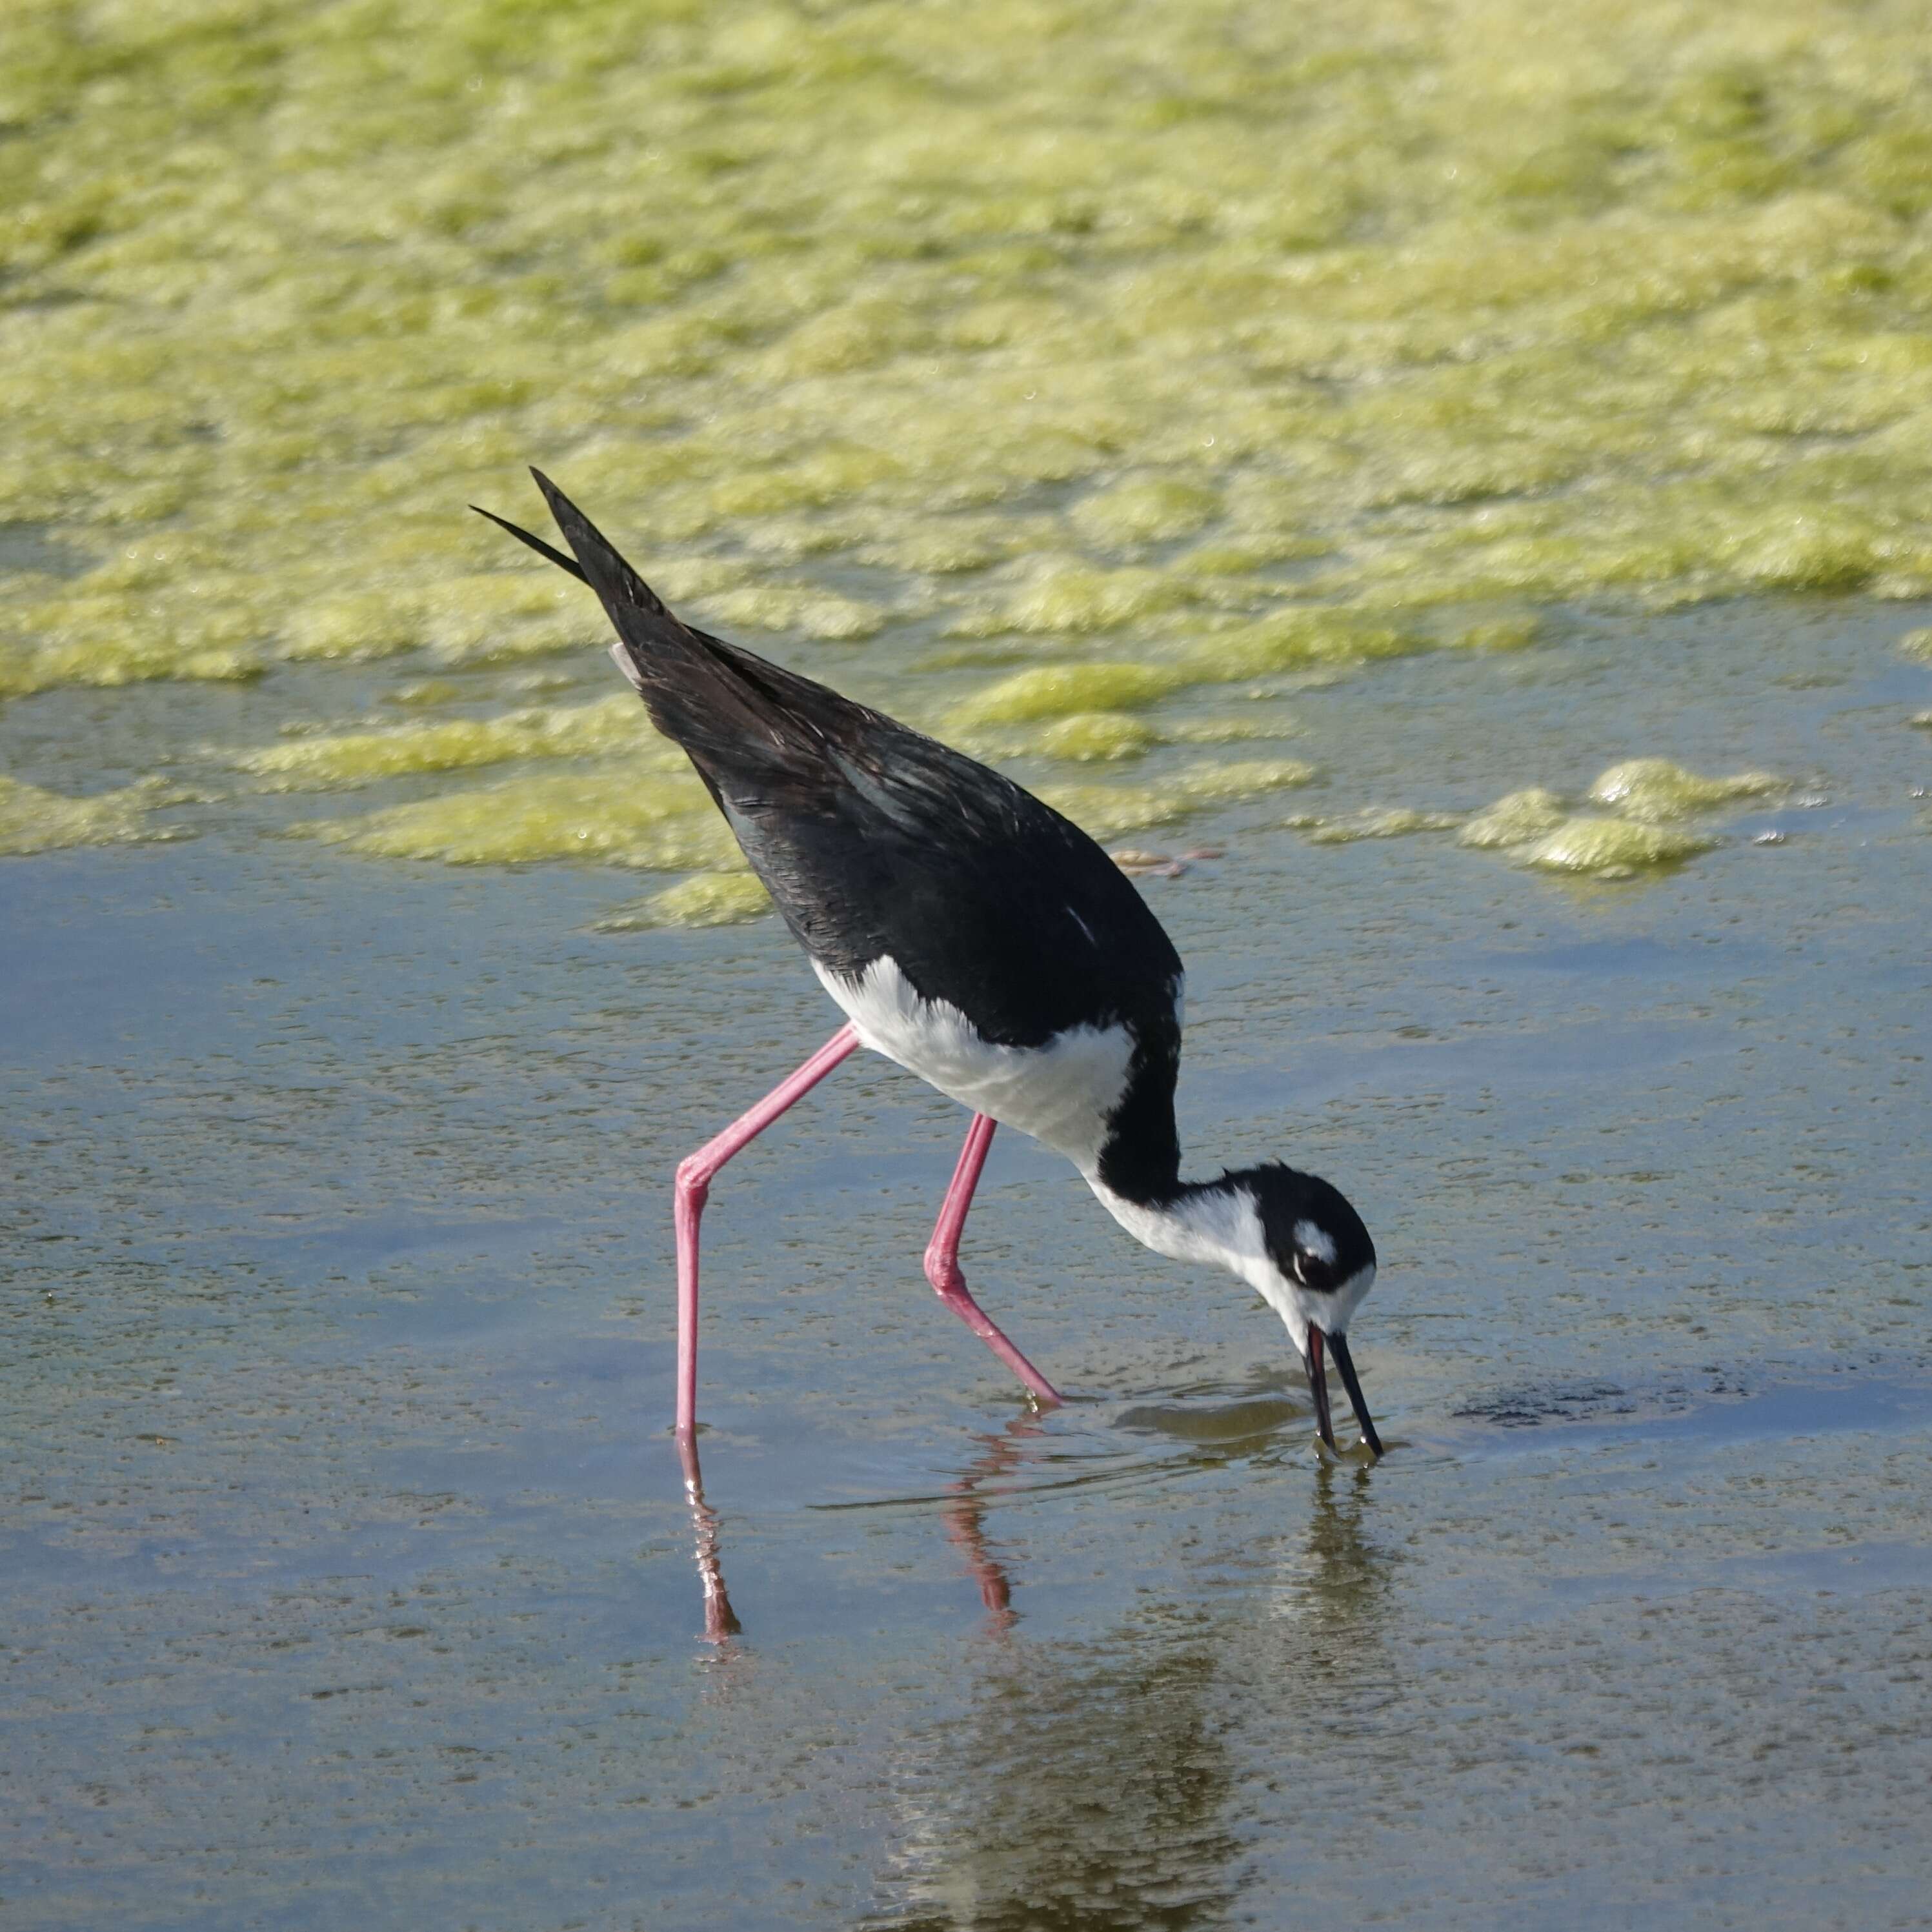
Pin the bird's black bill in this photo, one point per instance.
(1344, 1361)
(1318, 1383)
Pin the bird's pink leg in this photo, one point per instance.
(694, 1174)
(942, 1260)
(721, 1620)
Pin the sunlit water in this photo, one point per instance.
(1465, 472)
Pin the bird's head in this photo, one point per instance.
(1315, 1264)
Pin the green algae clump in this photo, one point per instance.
(423, 692)
(1610, 848)
(1075, 598)
(1379, 822)
(1499, 634)
(1058, 691)
(705, 899)
(32, 820)
(1515, 819)
(1296, 640)
(1655, 790)
(1105, 811)
(1537, 828)
(359, 758)
(658, 824)
(1145, 510)
(1089, 737)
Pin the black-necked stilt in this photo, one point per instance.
(975, 936)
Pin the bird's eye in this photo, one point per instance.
(1312, 1270)
(1311, 1255)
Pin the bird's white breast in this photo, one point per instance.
(1061, 1093)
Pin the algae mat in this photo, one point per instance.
(1067, 379)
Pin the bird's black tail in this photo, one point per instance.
(696, 687)
(650, 640)
(536, 543)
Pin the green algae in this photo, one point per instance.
(657, 824)
(667, 824)
(1648, 796)
(1611, 848)
(1654, 790)
(425, 692)
(615, 817)
(32, 820)
(1063, 691)
(477, 617)
(1296, 640)
(1092, 737)
(788, 608)
(359, 758)
(1515, 819)
(1106, 810)
(705, 899)
(1376, 822)
(1089, 737)
(1086, 737)
(1499, 634)
(1917, 644)
(1239, 345)
(1233, 727)
(1143, 510)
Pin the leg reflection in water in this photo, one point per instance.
(721, 1620)
(965, 1519)
(964, 1515)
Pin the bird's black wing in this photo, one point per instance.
(874, 840)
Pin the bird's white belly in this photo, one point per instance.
(1061, 1093)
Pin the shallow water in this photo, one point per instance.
(350, 1567)
(1536, 651)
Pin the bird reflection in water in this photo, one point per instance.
(1117, 1780)
(1338, 1581)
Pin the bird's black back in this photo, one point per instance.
(875, 840)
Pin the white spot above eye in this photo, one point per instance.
(1316, 1240)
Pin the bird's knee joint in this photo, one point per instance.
(694, 1184)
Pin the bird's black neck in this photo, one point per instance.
(1140, 1160)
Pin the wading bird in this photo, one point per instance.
(973, 935)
